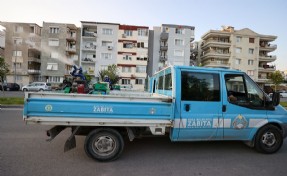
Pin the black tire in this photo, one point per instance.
(25, 90)
(269, 139)
(41, 90)
(104, 144)
(8, 89)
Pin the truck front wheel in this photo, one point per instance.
(269, 139)
(104, 144)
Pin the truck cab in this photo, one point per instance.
(221, 104)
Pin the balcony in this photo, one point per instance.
(88, 60)
(268, 47)
(266, 68)
(71, 50)
(34, 59)
(71, 37)
(217, 64)
(216, 54)
(163, 58)
(267, 58)
(163, 47)
(34, 72)
(90, 34)
(89, 47)
(164, 36)
(216, 43)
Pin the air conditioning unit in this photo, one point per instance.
(110, 47)
(124, 36)
(95, 34)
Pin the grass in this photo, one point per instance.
(284, 104)
(12, 101)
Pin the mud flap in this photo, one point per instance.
(71, 141)
(53, 132)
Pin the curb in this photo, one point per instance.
(11, 106)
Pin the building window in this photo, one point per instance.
(55, 79)
(18, 41)
(238, 39)
(140, 81)
(141, 69)
(178, 42)
(126, 69)
(54, 55)
(17, 53)
(178, 52)
(237, 61)
(106, 56)
(250, 62)
(142, 32)
(142, 58)
(250, 72)
(53, 42)
(54, 30)
(179, 31)
(251, 50)
(251, 40)
(140, 44)
(18, 29)
(52, 66)
(127, 57)
(18, 66)
(238, 50)
(128, 32)
(107, 31)
(126, 81)
(128, 45)
(104, 67)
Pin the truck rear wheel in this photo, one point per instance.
(104, 144)
(269, 139)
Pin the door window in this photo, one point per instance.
(200, 87)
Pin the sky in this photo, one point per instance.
(261, 16)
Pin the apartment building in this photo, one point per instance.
(169, 45)
(59, 51)
(98, 47)
(243, 50)
(132, 56)
(22, 52)
(2, 40)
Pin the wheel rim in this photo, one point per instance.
(104, 145)
(268, 139)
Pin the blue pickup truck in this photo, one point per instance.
(184, 104)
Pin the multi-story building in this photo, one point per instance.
(242, 49)
(98, 47)
(2, 41)
(22, 52)
(59, 51)
(132, 56)
(169, 45)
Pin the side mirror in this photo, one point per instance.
(276, 98)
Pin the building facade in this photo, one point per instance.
(59, 51)
(2, 41)
(169, 45)
(243, 50)
(132, 56)
(22, 52)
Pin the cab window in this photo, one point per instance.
(200, 86)
(243, 91)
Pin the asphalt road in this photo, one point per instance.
(24, 152)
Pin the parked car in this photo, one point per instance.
(37, 86)
(10, 87)
(283, 94)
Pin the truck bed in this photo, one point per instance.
(97, 110)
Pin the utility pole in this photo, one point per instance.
(15, 61)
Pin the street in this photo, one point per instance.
(24, 151)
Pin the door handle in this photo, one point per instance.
(187, 107)
(223, 108)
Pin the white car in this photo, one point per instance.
(283, 94)
(37, 86)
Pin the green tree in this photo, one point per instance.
(276, 78)
(111, 72)
(3, 69)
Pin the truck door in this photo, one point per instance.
(245, 108)
(200, 106)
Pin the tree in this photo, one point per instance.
(111, 72)
(277, 78)
(3, 69)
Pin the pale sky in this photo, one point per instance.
(262, 16)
